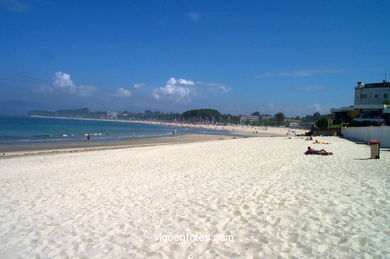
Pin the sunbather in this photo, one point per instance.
(320, 142)
(312, 151)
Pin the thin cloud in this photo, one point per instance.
(193, 16)
(14, 5)
(316, 107)
(215, 87)
(137, 86)
(86, 90)
(299, 73)
(20, 79)
(310, 88)
(121, 92)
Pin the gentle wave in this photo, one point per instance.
(49, 130)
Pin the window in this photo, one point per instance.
(376, 96)
(363, 96)
(384, 95)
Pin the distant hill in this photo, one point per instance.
(20, 108)
(76, 113)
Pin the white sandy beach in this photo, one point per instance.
(236, 129)
(231, 128)
(275, 201)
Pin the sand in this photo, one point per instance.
(275, 201)
(7, 151)
(260, 131)
(257, 131)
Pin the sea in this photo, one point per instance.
(33, 130)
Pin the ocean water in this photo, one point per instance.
(26, 130)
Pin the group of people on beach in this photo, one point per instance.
(312, 151)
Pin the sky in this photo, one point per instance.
(295, 57)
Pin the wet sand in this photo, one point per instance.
(77, 146)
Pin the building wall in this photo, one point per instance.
(249, 118)
(326, 132)
(366, 134)
(371, 95)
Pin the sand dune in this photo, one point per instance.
(265, 192)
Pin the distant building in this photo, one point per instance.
(112, 115)
(248, 118)
(265, 117)
(293, 123)
(374, 93)
(370, 104)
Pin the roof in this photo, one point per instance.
(342, 109)
(293, 120)
(361, 107)
(250, 116)
(376, 85)
(370, 106)
(369, 119)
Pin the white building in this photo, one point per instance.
(371, 104)
(373, 93)
(112, 115)
(248, 118)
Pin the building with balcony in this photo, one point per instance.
(373, 93)
(244, 118)
(371, 104)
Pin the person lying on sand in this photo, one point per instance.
(320, 142)
(312, 151)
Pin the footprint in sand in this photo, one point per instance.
(237, 213)
(245, 206)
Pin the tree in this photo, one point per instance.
(256, 114)
(148, 114)
(316, 116)
(323, 123)
(202, 114)
(279, 117)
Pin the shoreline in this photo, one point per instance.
(7, 151)
(260, 131)
(240, 131)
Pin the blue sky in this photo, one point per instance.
(296, 57)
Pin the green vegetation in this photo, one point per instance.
(311, 118)
(202, 115)
(279, 118)
(193, 116)
(77, 113)
(334, 126)
(322, 123)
